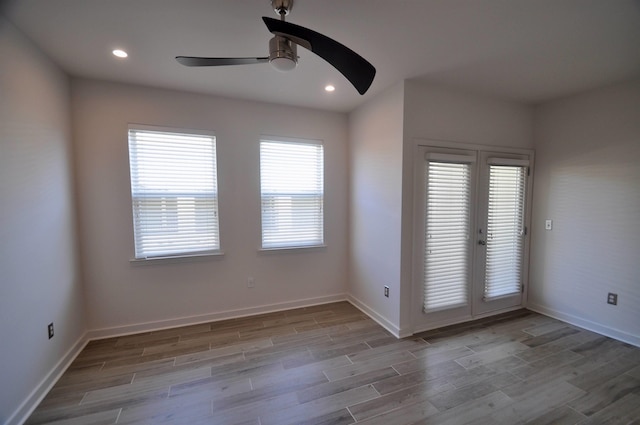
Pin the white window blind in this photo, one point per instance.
(292, 192)
(505, 231)
(447, 221)
(174, 193)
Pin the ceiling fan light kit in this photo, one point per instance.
(283, 54)
(283, 50)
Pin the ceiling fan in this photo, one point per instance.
(283, 50)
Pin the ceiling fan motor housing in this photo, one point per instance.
(283, 54)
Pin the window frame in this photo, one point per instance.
(293, 245)
(181, 255)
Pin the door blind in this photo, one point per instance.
(292, 192)
(174, 193)
(447, 218)
(505, 231)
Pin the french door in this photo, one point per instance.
(471, 244)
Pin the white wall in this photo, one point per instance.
(441, 113)
(121, 294)
(39, 279)
(587, 180)
(375, 166)
(384, 134)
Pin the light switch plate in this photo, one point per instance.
(548, 224)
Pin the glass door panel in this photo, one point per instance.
(470, 249)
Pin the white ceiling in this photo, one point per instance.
(525, 50)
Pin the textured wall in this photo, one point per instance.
(587, 180)
(39, 280)
(441, 113)
(375, 167)
(121, 294)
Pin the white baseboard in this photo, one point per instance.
(587, 324)
(27, 407)
(378, 318)
(22, 413)
(210, 317)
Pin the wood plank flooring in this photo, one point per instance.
(331, 364)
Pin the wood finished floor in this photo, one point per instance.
(331, 364)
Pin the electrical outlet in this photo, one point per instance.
(251, 282)
(50, 330)
(386, 291)
(548, 225)
(612, 298)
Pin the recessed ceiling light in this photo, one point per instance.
(329, 88)
(120, 53)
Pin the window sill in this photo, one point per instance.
(187, 258)
(286, 249)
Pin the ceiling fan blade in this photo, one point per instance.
(353, 66)
(196, 61)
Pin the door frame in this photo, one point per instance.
(421, 146)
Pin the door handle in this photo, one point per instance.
(481, 242)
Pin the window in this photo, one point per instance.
(505, 230)
(447, 217)
(174, 193)
(292, 192)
